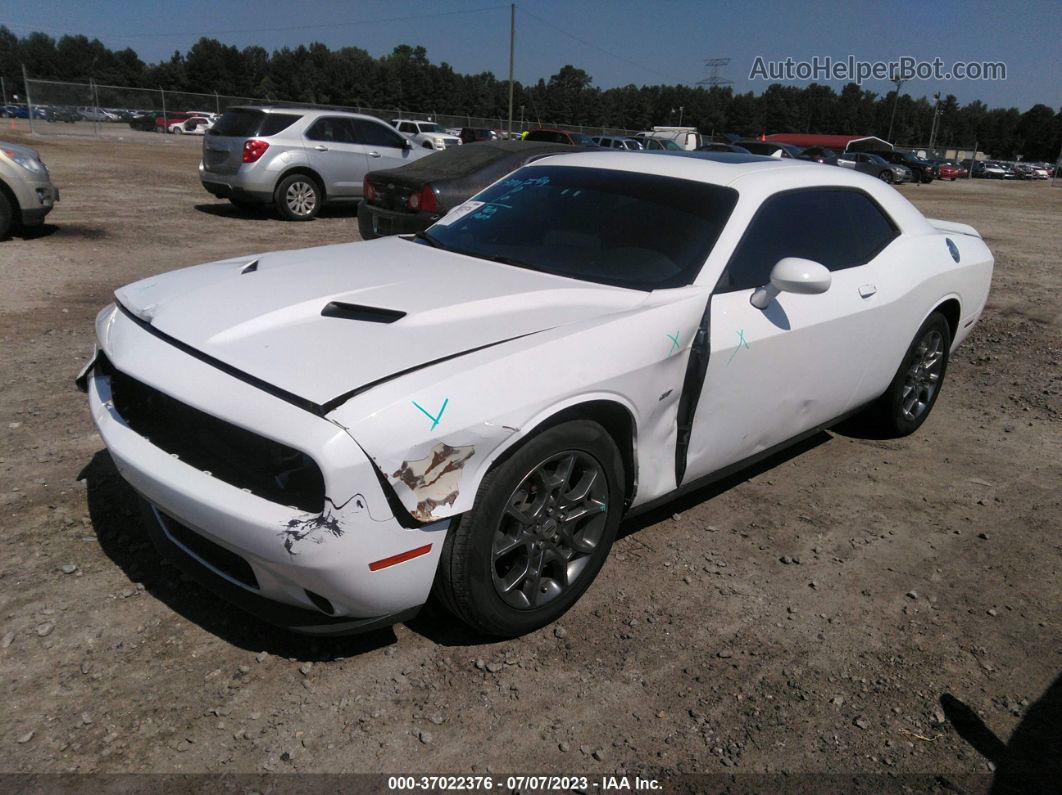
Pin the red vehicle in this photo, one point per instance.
(162, 123)
(952, 171)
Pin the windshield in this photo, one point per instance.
(611, 227)
(877, 159)
(429, 127)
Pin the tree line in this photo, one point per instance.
(406, 79)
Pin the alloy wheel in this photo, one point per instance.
(301, 198)
(552, 525)
(923, 376)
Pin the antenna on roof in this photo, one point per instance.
(714, 80)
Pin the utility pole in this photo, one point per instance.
(512, 60)
(899, 82)
(29, 99)
(936, 112)
(714, 80)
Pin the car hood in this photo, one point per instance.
(403, 306)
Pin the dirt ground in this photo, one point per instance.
(852, 607)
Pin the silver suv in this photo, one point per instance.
(26, 190)
(297, 159)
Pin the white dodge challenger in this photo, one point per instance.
(327, 436)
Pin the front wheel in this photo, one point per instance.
(297, 198)
(915, 387)
(6, 215)
(886, 176)
(539, 532)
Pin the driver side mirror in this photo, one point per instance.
(793, 275)
(407, 144)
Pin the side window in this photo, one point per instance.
(838, 228)
(276, 122)
(407, 127)
(331, 128)
(372, 133)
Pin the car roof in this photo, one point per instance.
(720, 168)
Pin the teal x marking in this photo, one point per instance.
(741, 341)
(674, 343)
(433, 417)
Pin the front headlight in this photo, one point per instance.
(27, 162)
(439, 140)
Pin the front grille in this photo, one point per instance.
(227, 562)
(268, 469)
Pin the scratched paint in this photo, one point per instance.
(319, 527)
(434, 479)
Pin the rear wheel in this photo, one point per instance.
(915, 387)
(539, 532)
(298, 198)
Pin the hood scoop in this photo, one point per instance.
(368, 314)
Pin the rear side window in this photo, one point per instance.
(838, 228)
(238, 123)
(373, 133)
(331, 128)
(277, 122)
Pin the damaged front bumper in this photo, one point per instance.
(351, 566)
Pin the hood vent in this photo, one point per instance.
(369, 314)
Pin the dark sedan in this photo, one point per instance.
(921, 170)
(411, 198)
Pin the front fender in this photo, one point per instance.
(434, 434)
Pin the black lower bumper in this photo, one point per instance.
(376, 222)
(35, 216)
(224, 191)
(289, 617)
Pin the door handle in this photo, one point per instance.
(321, 148)
(374, 154)
(867, 290)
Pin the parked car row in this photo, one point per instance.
(996, 169)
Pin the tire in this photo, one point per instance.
(177, 130)
(915, 387)
(885, 175)
(488, 575)
(298, 198)
(6, 215)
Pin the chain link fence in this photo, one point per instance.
(96, 110)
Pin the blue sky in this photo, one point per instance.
(617, 42)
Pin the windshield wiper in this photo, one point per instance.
(431, 241)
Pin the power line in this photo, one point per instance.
(285, 28)
(592, 46)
